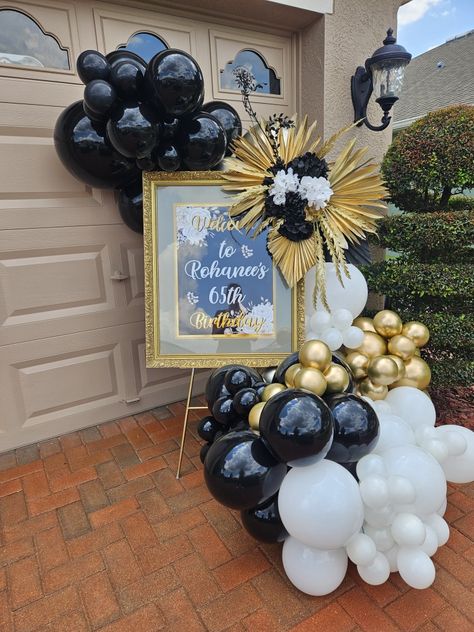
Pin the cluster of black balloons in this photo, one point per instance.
(244, 468)
(141, 117)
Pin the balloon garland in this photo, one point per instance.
(334, 474)
(141, 117)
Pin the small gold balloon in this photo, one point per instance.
(311, 380)
(402, 347)
(418, 352)
(375, 391)
(382, 370)
(254, 415)
(416, 331)
(373, 345)
(270, 390)
(337, 378)
(417, 374)
(364, 323)
(290, 374)
(400, 364)
(388, 323)
(315, 354)
(358, 364)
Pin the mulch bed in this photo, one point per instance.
(454, 405)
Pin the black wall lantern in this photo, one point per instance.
(383, 75)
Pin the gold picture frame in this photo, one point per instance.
(166, 345)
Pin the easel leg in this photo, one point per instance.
(185, 423)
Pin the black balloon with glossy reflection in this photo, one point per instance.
(283, 366)
(127, 77)
(237, 379)
(130, 204)
(175, 82)
(227, 117)
(259, 387)
(146, 163)
(99, 97)
(215, 384)
(240, 472)
(244, 400)
(169, 127)
(297, 425)
(167, 157)
(203, 451)
(208, 427)
(202, 141)
(263, 522)
(223, 411)
(99, 119)
(356, 428)
(92, 65)
(86, 153)
(131, 130)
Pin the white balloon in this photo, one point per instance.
(321, 505)
(440, 526)
(430, 543)
(382, 537)
(425, 474)
(342, 318)
(352, 337)
(379, 518)
(459, 469)
(376, 573)
(442, 509)
(438, 449)
(425, 433)
(412, 405)
(313, 571)
(393, 432)
(381, 407)
(391, 556)
(320, 321)
(352, 295)
(332, 337)
(415, 567)
(361, 549)
(370, 464)
(401, 490)
(374, 491)
(455, 441)
(408, 530)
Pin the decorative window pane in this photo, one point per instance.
(267, 81)
(24, 43)
(145, 44)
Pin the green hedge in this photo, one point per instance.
(429, 236)
(456, 371)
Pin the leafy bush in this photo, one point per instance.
(461, 203)
(431, 160)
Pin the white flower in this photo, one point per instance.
(317, 191)
(261, 314)
(192, 298)
(283, 183)
(192, 222)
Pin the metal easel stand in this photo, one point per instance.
(185, 422)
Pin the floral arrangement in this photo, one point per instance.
(311, 207)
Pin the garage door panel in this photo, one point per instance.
(132, 259)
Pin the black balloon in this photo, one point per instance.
(175, 81)
(169, 128)
(263, 522)
(99, 97)
(259, 387)
(86, 153)
(92, 65)
(236, 379)
(215, 384)
(296, 425)
(223, 411)
(127, 76)
(202, 142)
(207, 428)
(356, 428)
(146, 163)
(203, 451)
(122, 54)
(244, 400)
(240, 472)
(167, 157)
(131, 130)
(130, 204)
(283, 366)
(100, 119)
(228, 118)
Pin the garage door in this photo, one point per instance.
(71, 273)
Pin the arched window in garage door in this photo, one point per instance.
(267, 80)
(24, 43)
(144, 44)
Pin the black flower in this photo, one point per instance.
(309, 165)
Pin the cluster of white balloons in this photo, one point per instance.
(346, 303)
(392, 520)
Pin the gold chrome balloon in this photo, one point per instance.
(400, 364)
(417, 332)
(290, 374)
(311, 380)
(402, 347)
(315, 354)
(268, 374)
(382, 370)
(373, 345)
(418, 352)
(337, 378)
(270, 390)
(417, 374)
(358, 364)
(368, 389)
(388, 323)
(364, 323)
(254, 415)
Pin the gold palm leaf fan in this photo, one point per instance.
(354, 194)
